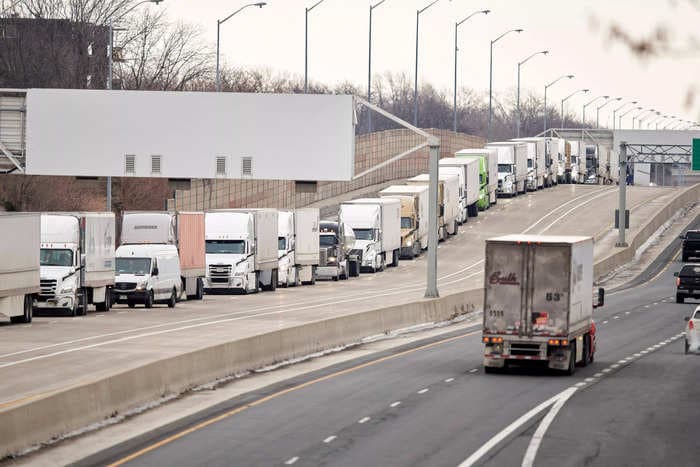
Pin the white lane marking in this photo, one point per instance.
(559, 207)
(473, 370)
(329, 439)
(449, 380)
(572, 210)
(580, 385)
(644, 352)
(588, 380)
(507, 431)
(537, 438)
(616, 317)
(395, 404)
(291, 461)
(598, 375)
(607, 370)
(363, 420)
(605, 322)
(627, 312)
(637, 355)
(614, 365)
(656, 303)
(646, 306)
(423, 391)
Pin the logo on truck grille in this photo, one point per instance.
(509, 279)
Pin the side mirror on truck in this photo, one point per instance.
(687, 318)
(675, 274)
(682, 237)
(599, 298)
(155, 272)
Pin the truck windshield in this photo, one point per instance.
(504, 168)
(690, 235)
(225, 247)
(51, 257)
(328, 240)
(690, 271)
(406, 223)
(364, 234)
(281, 243)
(137, 266)
(529, 163)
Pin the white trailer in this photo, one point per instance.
(538, 173)
(414, 216)
(577, 160)
(376, 223)
(448, 201)
(298, 246)
(488, 173)
(77, 261)
(556, 159)
(241, 250)
(538, 301)
(19, 270)
(512, 166)
(468, 170)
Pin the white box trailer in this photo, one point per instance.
(241, 249)
(512, 166)
(577, 160)
(488, 173)
(19, 269)
(538, 172)
(538, 300)
(414, 216)
(468, 170)
(77, 261)
(185, 230)
(448, 201)
(376, 223)
(298, 246)
(556, 158)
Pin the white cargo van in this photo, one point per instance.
(148, 274)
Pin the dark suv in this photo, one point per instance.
(687, 282)
(691, 245)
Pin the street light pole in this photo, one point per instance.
(110, 75)
(488, 130)
(520, 64)
(415, 77)
(218, 38)
(620, 108)
(306, 45)
(547, 86)
(597, 113)
(589, 103)
(369, 66)
(457, 25)
(619, 123)
(639, 119)
(563, 116)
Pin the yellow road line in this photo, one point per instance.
(275, 395)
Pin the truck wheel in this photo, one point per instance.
(586, 350)
(173, 299)
(26, 316)
(395, 259)
(680, 298)
(82, 304)
(687, 347)
(382, 263)
(685, 258)
(274, 278)
(313, 276)
(148, 303)
(104, 306)
(200, 289)
(572, 359)
(131, 304)
(456, 228)
(335, 278)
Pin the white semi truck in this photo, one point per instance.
(468, 171)
(184, 230)
(241, 250)
(538, 301)
(512, 167)
(537, 171)
(19, 270)
(448, 201)
(77, 261)
(376, 223)
(298, 246)
(414, 217)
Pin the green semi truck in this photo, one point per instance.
(488, 174)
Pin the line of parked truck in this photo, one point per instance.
(69, 261)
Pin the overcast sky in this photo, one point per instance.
(575, 32)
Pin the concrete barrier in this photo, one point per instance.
(36, 420)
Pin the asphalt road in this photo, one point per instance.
(431, 405)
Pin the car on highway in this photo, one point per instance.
(687, 282)
(692, 332)
(690, 247)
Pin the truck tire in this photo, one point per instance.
(82, 304)
(313, 276)
(685, 258)
(131, 304)
(586, 350)
(200, 289)
(148, 303)
(28, 309)
(680, 298)
(687, 347)
(382, 263)
(354, 269)
(395, 259)
(172, 301)
(572, 359)
(107, 304)
(456, 228)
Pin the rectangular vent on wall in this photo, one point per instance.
(247, 166)
(155, 165)
(220, 166)
(130, 164)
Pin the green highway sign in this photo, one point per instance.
(695, 164)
